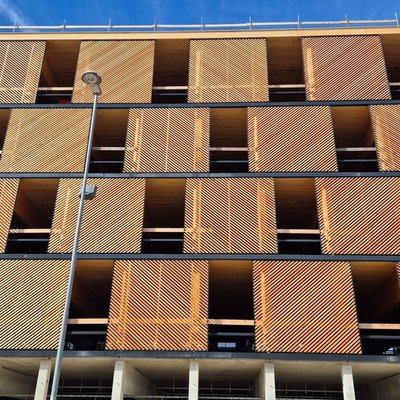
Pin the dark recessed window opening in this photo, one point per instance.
(390, 47)
(228, 140)
(32, 216)
(164, 214)
(171, 71)
(4, 118)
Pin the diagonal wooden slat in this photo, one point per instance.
(385, 124)
(21, 64)
(125, 66)
(8, 194)
(344, 68)
(305, 307)
(32, 296)
(159, 305)
(235, 215)
(112, 222)
(46, 140)
(291, 139)
(228, 70)
(359, 215)
(168, 140)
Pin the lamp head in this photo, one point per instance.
(93, 79)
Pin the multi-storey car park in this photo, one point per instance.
(244, 241)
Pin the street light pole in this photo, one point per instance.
(93, 79)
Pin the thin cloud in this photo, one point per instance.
(13, 13)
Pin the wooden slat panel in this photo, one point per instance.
(359, 215)
(32, 296)
(46, 140)
(8, 194)
(112, 222)
(228, 70)
(126, 69)
(159, 305)
(21, 63)
(344, 68)
(291, 139)
(230, 216)
(168, 140)
(385, 124)
(305, 307)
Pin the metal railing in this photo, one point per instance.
(248, 25)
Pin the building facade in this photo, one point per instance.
(244, 241)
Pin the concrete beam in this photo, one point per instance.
(348, 383)
(43, 378)
(265, 383)
(385, 389)
(12, 382)
(194, 380)
(128, 380)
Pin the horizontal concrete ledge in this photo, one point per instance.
(342, 358)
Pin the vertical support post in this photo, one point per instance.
(348, 383)
(43, 378)
(194, 380)
(265, 386)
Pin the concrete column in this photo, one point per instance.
(12, 382)
(128, 381)
(265, 384)
(194, 380)
(42, 383)
(348, 383)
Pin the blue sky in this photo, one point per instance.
(54, 12)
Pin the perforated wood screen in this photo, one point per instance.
(31, 303)
(159, 305)
(112, 222)
(168, 140)
(126, 69)
(291, 139)
(385, 124)
(359, 215)
(46, 140)
(230, 216)
(344, 68)
(8, 194)
(21, 64)
(228, 70)
(305, 307)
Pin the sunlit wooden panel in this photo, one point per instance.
(46, 140)
(386, 125)
(32, 303)
(159, 305)
(305, 307)
(291, 139)
(8, 194)
(125, 67)
(230, 216)
(228, 70)
(168, 140)
(359, 215)
(112, 221)
(344, 68)
(21, 63)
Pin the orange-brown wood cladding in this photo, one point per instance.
(126, 69)
(228, 70)
(291, 139)
(46, 140)
(385, 124)
(21, 64)
(168, 140)
(305, 307)
(32, 296)
(8, 194)
(344, 68)
(159, 305)
(359, 215)
(112, 222)
(235, 215)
